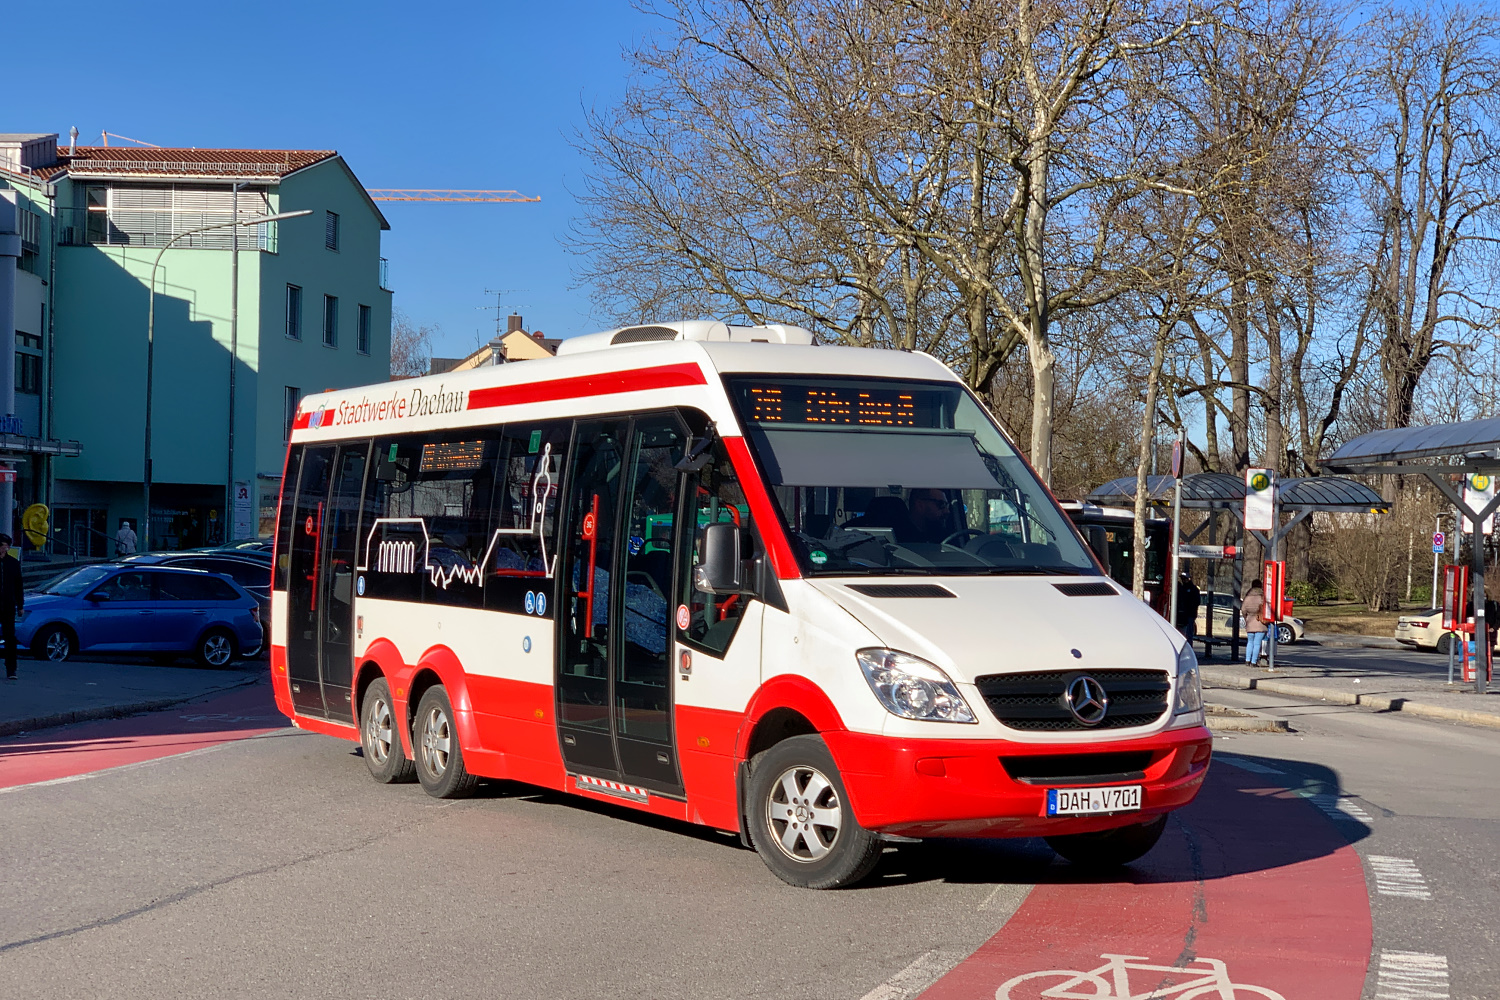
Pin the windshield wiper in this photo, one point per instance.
(1036, 571)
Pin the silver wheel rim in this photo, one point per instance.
(378, 735)
(216, 650)
(436, 742)
(58, 646)
(803, 814)
(1284, 635)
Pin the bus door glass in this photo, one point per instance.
(614, 665)
(643, 669)
(304, 579)
(336, 602)
(583, 676)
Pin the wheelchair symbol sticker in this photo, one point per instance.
(531, 602)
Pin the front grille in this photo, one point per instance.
(1079, 768)
(1036, 701)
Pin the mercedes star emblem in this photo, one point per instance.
(1087, 700)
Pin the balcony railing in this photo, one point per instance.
(385, 274)
(155, 228)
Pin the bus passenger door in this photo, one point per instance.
(586, 585)
(336, 602)
(304, 583)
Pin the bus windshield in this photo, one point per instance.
(885, 477)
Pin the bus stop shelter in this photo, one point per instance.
(1216, 492)
(1438, 452)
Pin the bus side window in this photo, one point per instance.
(527, 490)
(284, 518)
(713, 495)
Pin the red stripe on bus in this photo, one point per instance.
(762, 510)
(639, 380)
(302, 421)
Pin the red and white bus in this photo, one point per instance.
(722, 574)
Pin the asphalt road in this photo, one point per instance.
(204, 852)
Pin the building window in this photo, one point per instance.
(331, 230)
(293, 400)
(330, 321)
(364, 329)
(294, 311)
(31, 340)
(29, 373)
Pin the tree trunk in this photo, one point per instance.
(1148, 443)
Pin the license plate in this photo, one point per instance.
(1086, 801)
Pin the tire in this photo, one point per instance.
(1285, 636)
(434, 739)
(216, 649)
(55, 643)
(793, 786)
(380, 739)
(1109, 848)
(1445, 643)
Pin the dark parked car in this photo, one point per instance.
(158, 611)
(249, 569)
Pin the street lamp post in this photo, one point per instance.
(151, 349)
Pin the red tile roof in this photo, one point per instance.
(115, 161)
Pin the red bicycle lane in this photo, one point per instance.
(85, 747)
(1250, 875)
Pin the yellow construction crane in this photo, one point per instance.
(444, 194)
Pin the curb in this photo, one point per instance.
(14, 726)
(1339, 640)
(1376, 702)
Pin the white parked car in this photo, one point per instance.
(1227, 608)
(1425, 631)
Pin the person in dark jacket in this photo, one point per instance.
(12, 600)
(1188, 597)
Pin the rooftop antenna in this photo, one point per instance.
(499, 309)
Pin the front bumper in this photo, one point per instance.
(961, 788)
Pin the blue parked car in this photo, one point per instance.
(160, 612)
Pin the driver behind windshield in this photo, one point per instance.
(929, 515)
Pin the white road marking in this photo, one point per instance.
(1398, 877)
(1251, 766)
(1412, 975)
(991, 897)
(1335, 807)
(928, 968)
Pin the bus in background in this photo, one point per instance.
(722, 574)
(1110, 532)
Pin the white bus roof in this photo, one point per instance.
(605, 379)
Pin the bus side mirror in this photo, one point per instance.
(720, 568)
(1098, 539)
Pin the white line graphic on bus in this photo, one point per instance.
(399, 555)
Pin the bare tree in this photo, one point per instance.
(411, 346)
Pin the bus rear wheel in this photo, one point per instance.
(1110, 848)
(440, 760)
(800, 820)
(379, 738)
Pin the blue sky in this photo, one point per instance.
(478, 95)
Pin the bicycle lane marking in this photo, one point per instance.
(87, 747)
(1250, 875)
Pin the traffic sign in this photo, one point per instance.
(1260, 499)
(1439, 542)
(1176, 459)
(1206, 551)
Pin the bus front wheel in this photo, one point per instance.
(800, 820)
(440, 760)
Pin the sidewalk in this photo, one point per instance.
(1373, 688)
(56, 694)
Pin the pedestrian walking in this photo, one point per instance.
(1188, 597)
(12, 599)
(125, 540)
(1255, 629)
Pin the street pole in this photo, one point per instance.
(145, 532)
(1437, 526)
(1179, 459)
(234, 350)
(1481, 627)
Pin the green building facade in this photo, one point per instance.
(314, 312)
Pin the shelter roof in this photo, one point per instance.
(1206, 489)
(1477, 442)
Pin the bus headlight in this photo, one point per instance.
(1189, 684)
(912, 688)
